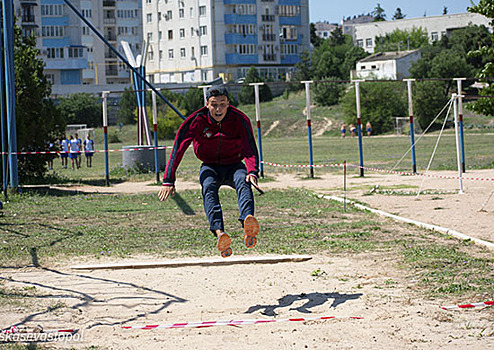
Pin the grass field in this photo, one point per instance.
(42, 227)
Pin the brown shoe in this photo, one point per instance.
(251, 229)
(223, 245)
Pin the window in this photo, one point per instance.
(150, 37)
(360, 42)
(75, 52)
(160, 35)
(161, 55)
(434, 36)
(191, 12)
(289, 10)
(362, 67)
(182, 33)
(151, 55)
(52, 31)
(168, 15)
(202, 10)
(159, 16)
(181, 13)
(192, 31)
(192, 51)
(368, 42)
(182, 52)
(289, 32)
(170, 54)
(204, 50)
(203, 30)
(170, 34)
(57, 10)
(149, 18)
(246, 49)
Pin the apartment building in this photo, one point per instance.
(116, 20)
(436, 27)
(58, 33)
(201, 40)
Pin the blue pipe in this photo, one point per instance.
(259, 141)
(119, 55)
(3, 116)
(107, 168)
(8, 32)
(360, 148)
(311, 160)
(412, 140)
(462, 144)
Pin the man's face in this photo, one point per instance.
(218, 106)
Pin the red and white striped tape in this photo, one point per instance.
(377, 170)
(301, 165)
(235, 323)
(98, 151)
(15, 330)
(468, 306)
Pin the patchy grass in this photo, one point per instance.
(40, 228)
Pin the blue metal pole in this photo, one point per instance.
(258, 122)
(5, 181)
(155, 133)
(412, 128)
(460, 122)
(105, 133)
(309, 129)
(119, 55)
(359, 129)
(8, 32)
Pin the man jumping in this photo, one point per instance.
(222, 138)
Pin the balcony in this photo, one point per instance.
(269, 57)
(234, 39)
(27, 19)
(234, 58)
(109, 21)
(292, 21)
(109, 3)
(269, 37)
(240, 19)
(111, 37)
(267, 18)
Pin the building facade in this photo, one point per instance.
(386, 65)
(324, 29)
(116, 20)
(436, 27)
(201, 40)
(58, 33)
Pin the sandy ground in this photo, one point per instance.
(370, 286)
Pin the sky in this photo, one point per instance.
(334, 10)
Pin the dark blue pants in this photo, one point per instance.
(212, 177)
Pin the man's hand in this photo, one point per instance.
(165, 192)
(253, 180)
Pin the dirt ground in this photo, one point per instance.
(370, 286)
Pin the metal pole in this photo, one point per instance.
(412, 129)
(458, 157)
(359, 128)
(104, 96)
(8, 33)
(460, 121)
(344, 186)
(5, 181)
(145, 121)
(309, 131)
(119, 55)
(258, 122)
(155, 132)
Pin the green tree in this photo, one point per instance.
(193, 100)
(127, 113)
(82, 108)
(38, 121)
(380, 103)
(302, 71)
(246, 94)
(328, 93)
(486, 53)
(428, 100)
(404, 39)
(398, 14)
(314, 38)
(378, 13)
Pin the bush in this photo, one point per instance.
(247, 95)
(328, 93)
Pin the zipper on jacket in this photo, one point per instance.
(219, 143)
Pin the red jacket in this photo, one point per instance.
(227, 142)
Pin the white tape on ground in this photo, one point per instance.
(414, 222)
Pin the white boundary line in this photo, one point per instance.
(410, 221)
